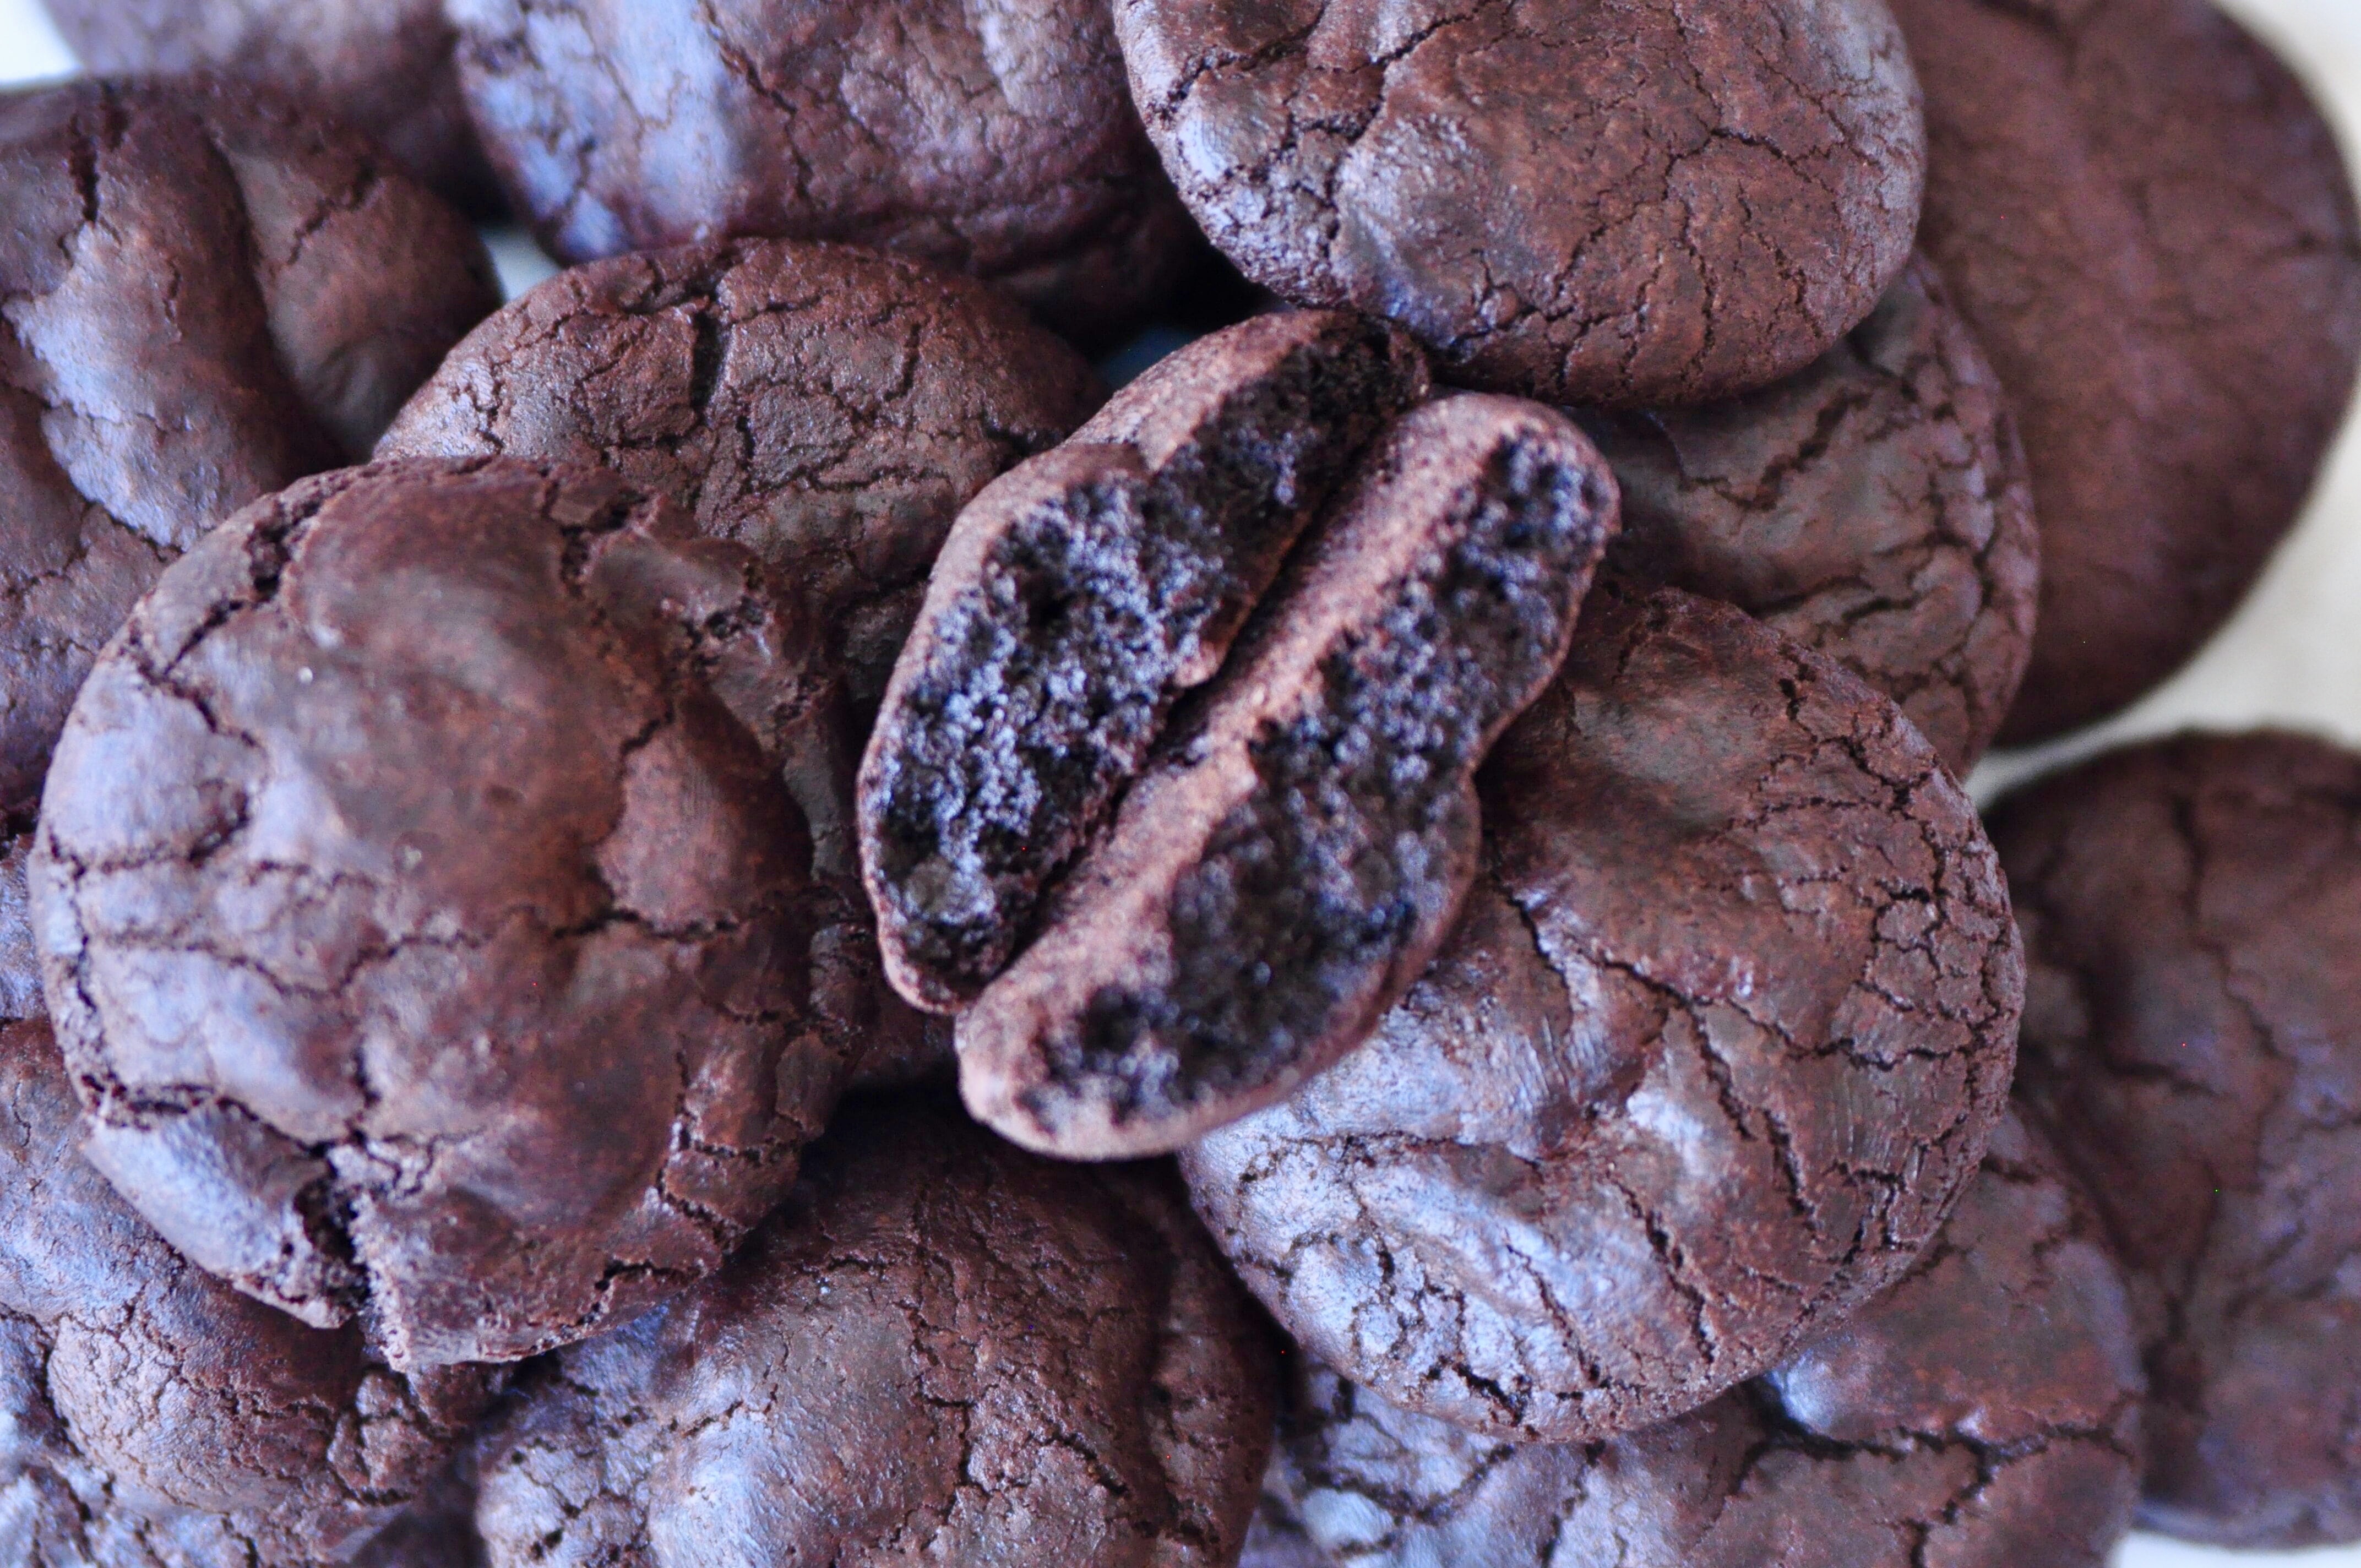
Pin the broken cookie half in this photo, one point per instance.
(1166, 885)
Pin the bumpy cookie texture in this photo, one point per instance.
(149, 1415)
(827, 408)
(1723, 1028)
(206, 296)
(1301, 845)
(417, 923)
(1982, 1414)
(20, 957)
(1657, 202)
(1874, 506)
(1078, 600)
(990, 137)
(2191, 909)
(383, 66)
(2150, 228)
(942, 1350)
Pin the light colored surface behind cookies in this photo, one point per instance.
(2292, 655)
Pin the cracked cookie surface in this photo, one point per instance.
(382, 66)
(1722, 1028)
(2191, 909)
(831, 409)
(2149, 226)
(941, 1350)
(990, 137)
(1983, 1413)
(1078, 600)
(1874, 506)
(421, 929)
(151, 1417)
(1655, 202)
(1302, 837)
(205, 296)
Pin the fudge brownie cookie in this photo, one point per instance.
(417, 921)
(827, 407)
(2149, 226)
(1078, 600)
(1301, 845)
(993, 138)
(1722, 1030)
(1874, 506)
(2191, 909)
(383, 66)
(1581, 203)
(151, 1415)
(209, 296)
(1982, 1414)
(942, 1350)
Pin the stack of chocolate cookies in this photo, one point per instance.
(726, 916)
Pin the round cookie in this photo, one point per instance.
(829, 407)
(1578, 202)
(2147, 223)
(1724, 1027)
(941, 1350)
(149, 1415)
(421, 929)
(2190, 909)
(382, 66)
(1984, 1413)
(1874, 506)
(993, 138)
(210, 295)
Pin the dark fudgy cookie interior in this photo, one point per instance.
(1983, 1413)
(2192, 913)
(1078, 600)
(2148, 224)
(421, 929)
(940, 1350)
(210, 296)
(1638, 202)
(1722, 1029)
(154, 1416)
(990, 137)
(1301, 842)
(1874, 506)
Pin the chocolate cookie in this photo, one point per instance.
(1581, 202)
(1982, 1414)
(827, 408)
(1874, 508)
(209, 295)
(993, 139)
(1077, 600)
(1300, 845)
(151, 1415)
(383, 66)
(2191, 909)
(942, 1350)
(2147, 223)
(1723, 1028)
(418, 924)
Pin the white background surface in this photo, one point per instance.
(2292, 655)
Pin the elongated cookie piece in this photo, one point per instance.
(1296, 855)
(1075, 601)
